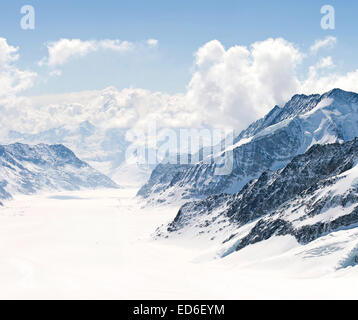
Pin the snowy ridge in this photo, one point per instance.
(268, 144)
(26, 169)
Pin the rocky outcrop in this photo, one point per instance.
(314, 194)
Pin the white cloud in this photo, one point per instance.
(55, 73)
(230, 87)
(110, 108)
(61, 51)
(152, 42)
(326, 62)
(8, 53)
(328, 42)
(12, 79)
(115, 45)
(12, 82)
(234, 87)
(317, 83)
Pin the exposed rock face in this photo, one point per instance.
(27, 169)
(314, 194)
(268, 144)
(162, 178)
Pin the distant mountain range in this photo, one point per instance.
(295, 172)
(103, 148)
(26, 169)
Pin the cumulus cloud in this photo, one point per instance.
(236, 86)
(230, 87)
(106, 109)
(8, 53)
(61, 51)
(328, 42)
(12, 82)
(12, 79)
(318, 83)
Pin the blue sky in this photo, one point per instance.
(181, 27)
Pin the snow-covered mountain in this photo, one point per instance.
(268, 144)
(314, 195)
(27, 169)
(94, 125)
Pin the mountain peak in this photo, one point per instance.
(336, 91)
(340, 94)
(27, 169)
(300, 96)
(302, 103)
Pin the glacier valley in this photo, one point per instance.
(283, 224)
(99, 244)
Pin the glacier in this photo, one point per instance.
(283, 225)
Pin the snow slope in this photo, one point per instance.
(98, 245)
(314, 195)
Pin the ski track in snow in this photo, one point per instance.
(98, 245)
